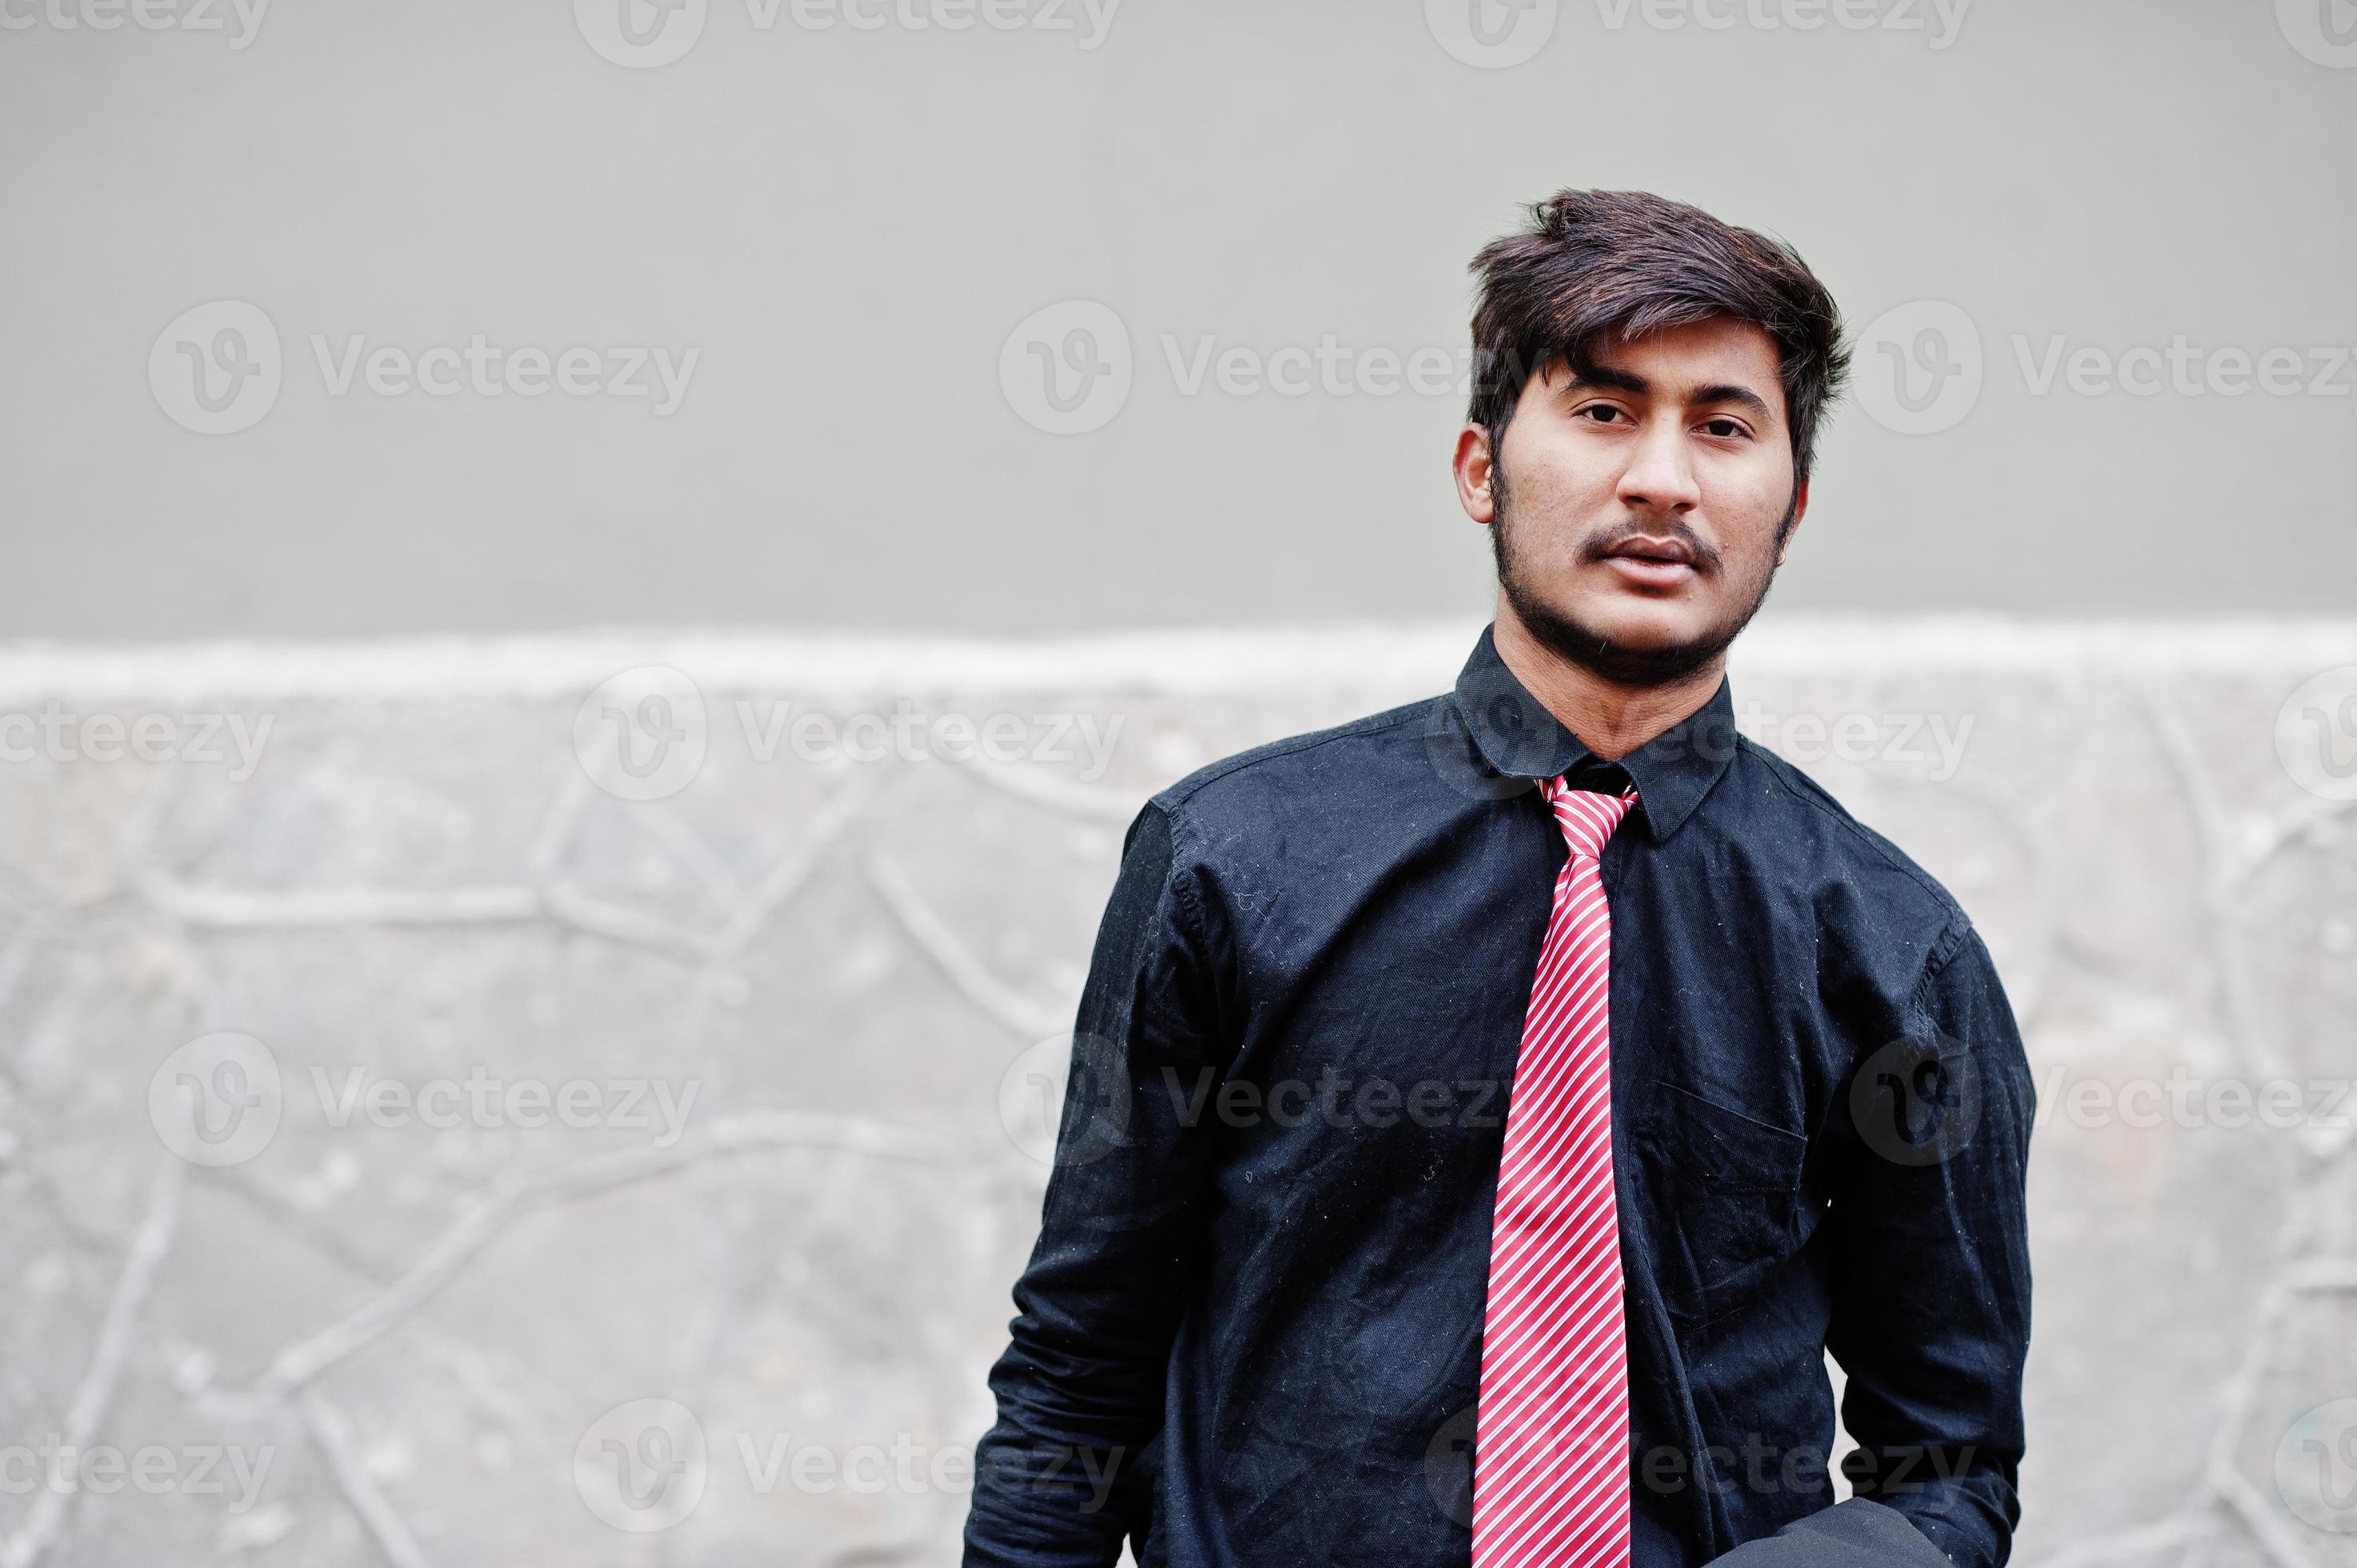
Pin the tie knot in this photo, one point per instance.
(1587, 816)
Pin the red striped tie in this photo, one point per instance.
(1551, 1452)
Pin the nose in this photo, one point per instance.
(1660, 479)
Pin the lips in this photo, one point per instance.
(1649, 565)
(1661, 552)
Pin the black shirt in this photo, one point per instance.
(1251, 1331)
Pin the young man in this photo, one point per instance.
(1487, 1115)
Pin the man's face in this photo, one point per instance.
(1640, 512)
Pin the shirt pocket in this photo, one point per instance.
(1727, 1194)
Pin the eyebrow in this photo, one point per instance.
(1629, 382)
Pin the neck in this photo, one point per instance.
(1611, 720)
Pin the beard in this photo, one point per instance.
(1570, 638)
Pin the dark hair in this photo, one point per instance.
(1595, 266)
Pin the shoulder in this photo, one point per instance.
(1842, 857)
(1359, 755)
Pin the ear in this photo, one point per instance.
(1800, 510)
(1473, 467)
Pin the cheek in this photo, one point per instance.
(1749, 507)
(1552, 481)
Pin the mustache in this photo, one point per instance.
(1600, 546)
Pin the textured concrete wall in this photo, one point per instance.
(775, 1022)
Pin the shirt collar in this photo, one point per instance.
(1518, 738)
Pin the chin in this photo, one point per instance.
(1640, 624)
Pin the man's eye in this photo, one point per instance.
(1724, 427)
(1602, 413)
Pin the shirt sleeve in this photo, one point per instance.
(1859, 1533)
(1930, 1295)
(1058, 1479)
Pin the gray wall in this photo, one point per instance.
(848, 226)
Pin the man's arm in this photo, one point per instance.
(1080, 1388)
(1930, 1309)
